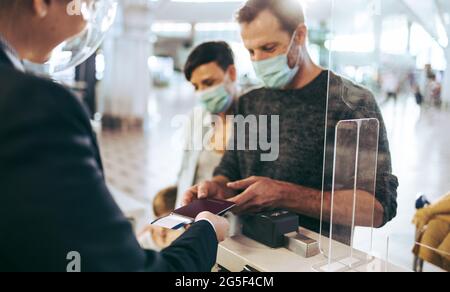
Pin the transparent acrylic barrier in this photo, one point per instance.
(432, 258)
(359, 188)
(351, 201)
(403, 254)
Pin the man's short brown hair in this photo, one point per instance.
(290, 13)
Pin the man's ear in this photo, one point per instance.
(232, 72)
(40, 8)
(301, 34)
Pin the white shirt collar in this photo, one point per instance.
(11, 54)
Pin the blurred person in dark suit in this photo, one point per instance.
(53, 198)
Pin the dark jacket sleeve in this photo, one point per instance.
(192, 249)
(54, 199)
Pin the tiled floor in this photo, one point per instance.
(138, 164)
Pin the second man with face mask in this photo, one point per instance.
(308, 99)
(211, 69)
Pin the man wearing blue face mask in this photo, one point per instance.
(277, 72)
(308, 99)
(211, 69)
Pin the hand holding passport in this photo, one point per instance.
(187, 214)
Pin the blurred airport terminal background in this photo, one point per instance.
(399, 49)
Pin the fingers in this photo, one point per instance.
(243, 184)
(250, 207)
(243, 198)
(250, 201)
(187, 199)
(203, 190)
(244, 201)
(190, 196)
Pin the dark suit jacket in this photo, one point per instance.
(53, 196)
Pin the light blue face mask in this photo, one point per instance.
(216, 100)
(275, 72)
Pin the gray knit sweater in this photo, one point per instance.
(302, 119)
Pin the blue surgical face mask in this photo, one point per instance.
(217, 99)
(275, 72)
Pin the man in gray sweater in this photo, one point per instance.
(307, 99)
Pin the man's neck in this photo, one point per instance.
(10, 50)
(12, 40)
(307, 73)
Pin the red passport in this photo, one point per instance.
(187, 214)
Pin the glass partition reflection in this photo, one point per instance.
(388, 63)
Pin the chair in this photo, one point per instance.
(421, 203)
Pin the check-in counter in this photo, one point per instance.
(241, 254)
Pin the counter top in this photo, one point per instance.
(239, 252)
